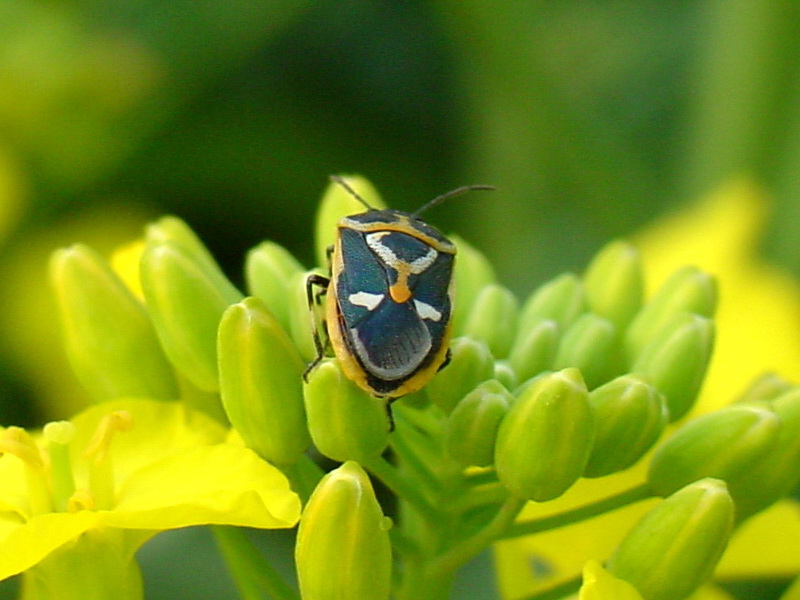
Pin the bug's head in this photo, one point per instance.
(415, 215)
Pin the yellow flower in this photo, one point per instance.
(599, 584)
(101, 484)
(758, 305)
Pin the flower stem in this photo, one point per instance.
(432, 579)
(391, 478)
(304, 475)
(254, 576)
(447, 563)
(558, 591)
(414, 451)
(640, 492)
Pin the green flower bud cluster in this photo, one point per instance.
(193, 333)
(579, 379)
(590, 374)
(196, 328)
(754, 446)
(597, 323)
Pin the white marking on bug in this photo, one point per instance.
(365, 299)
(426, 311)
(416, 266)
(384, 252)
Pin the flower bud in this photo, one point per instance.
(723, 444)
(260, 379)
(675, 547)
(342, 548)
(534, 350)
(345, 422)
(472, 273)
(688, 290)
(337, 202)
(562, 299)
(470, 364)
(589, 345)
(545, 439)
(629, 414)
(110, 340)
(777, 472)
(268, 269)
(505, 375)
(615, 283)
(493, 319)
(766, 387)
(471, 429)
(186, 296)
(175, 230)
(675, 361)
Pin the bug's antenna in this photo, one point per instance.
(452, 193)
(350, 190)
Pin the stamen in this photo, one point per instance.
(117, 421)
(59, 434)
(81, 500)
(101, 470)
(19, 443)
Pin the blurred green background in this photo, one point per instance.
(591, 117)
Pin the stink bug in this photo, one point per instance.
(389, 297)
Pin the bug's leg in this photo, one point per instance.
(389, 414)
(446, 361)
(312, 299)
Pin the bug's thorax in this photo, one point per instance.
(401, 222)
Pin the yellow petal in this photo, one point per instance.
(599, 584)
(22, 546)
(221, 484)
(125, 262)
(767, 545)
(160, 430)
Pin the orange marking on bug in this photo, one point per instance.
(400, 292)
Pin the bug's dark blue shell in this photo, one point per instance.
(392, 340)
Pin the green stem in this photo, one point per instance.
(304, 475)
(581, 513)
(414, 451)
(558, 591)
(403, 545)
(480, 477)
(402, 488)
(445, 565)
(481, 495)
(254, 576)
